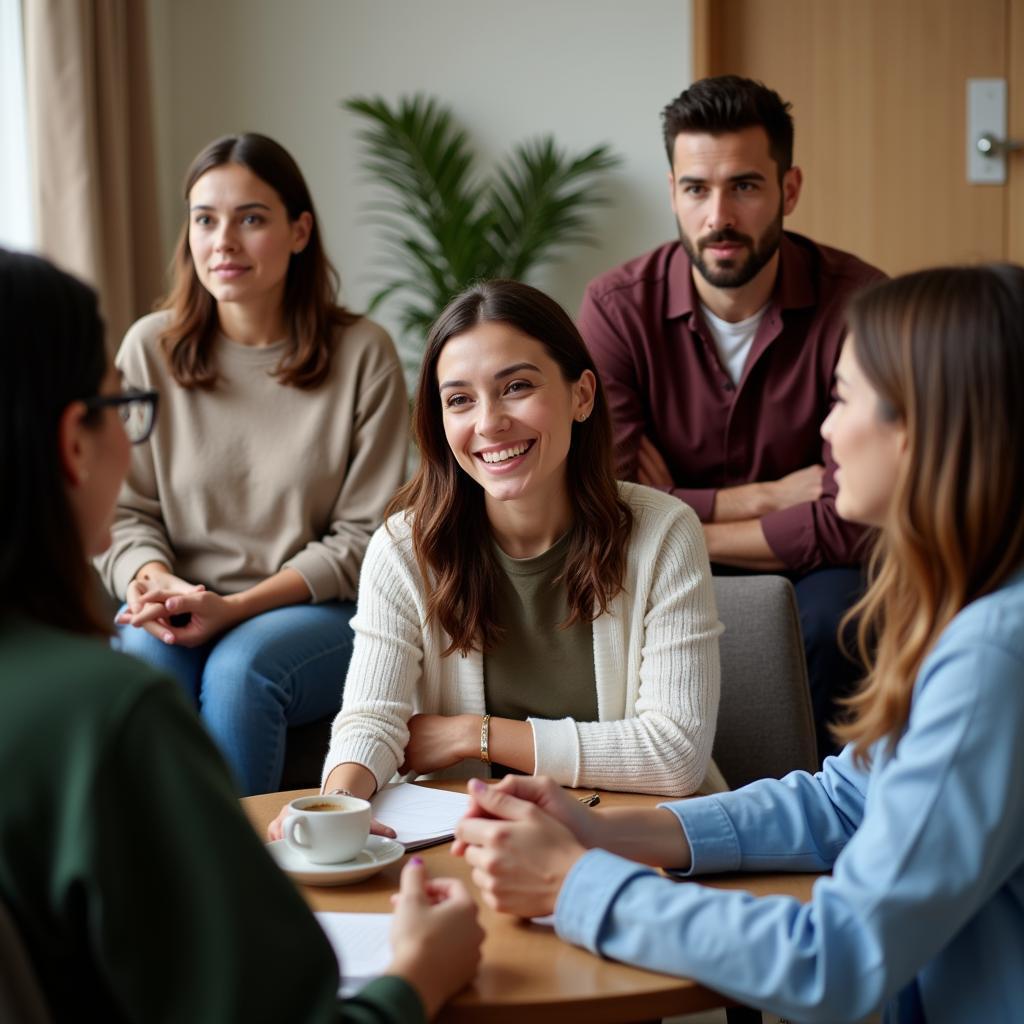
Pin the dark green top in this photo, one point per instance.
(539, 670)
(139, 887)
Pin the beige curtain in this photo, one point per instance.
(87, 71)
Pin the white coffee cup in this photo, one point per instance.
(327, 829)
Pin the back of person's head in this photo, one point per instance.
(450, 530)
(53, 355)
(311, 287)
(944, 351)
(729, 103)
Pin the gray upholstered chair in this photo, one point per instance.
(765, 727)
(21, 1000)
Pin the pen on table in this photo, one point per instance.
(590, 801)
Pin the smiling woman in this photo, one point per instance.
(508, 423)
(241, 529)
(521, 610)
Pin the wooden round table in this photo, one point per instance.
(527, 973)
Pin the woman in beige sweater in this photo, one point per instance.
(241, 528)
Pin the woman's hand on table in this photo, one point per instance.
(435, 935)
(547, 795)
(519, 850)
(437, 742)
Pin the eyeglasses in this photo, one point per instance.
(137, 410)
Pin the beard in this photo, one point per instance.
(734, 273)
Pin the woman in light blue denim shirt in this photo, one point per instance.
(921, 818)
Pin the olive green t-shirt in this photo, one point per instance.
(539, 670)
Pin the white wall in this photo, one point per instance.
(586, 70)
(17, 230)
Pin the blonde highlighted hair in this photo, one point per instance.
(944, 350)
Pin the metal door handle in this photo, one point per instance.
(990, 146)
(986, 139)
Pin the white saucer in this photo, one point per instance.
(378, 853)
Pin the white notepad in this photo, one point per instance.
(361, 945)
(420, 816)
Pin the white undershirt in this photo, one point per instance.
(733, 341)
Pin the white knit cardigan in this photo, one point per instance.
(656, 666)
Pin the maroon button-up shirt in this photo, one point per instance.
(664, 378)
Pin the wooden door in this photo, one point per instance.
(878, 89)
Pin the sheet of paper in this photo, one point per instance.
(419, 815)
(360, 942)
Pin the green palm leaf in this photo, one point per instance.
(541, 200)
(443, 226)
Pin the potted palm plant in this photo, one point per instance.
(445, 225)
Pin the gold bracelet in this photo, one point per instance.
(485, 738)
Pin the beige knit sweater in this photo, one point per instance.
(242, 481)
(655, 663)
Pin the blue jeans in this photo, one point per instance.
(282, 668)
(824, 596)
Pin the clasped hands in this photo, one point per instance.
(155, 595)
(521, 836)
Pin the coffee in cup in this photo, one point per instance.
(327, 829)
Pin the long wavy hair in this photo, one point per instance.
(944, 350)
(450, 530)
(53, 354)
(311, 312)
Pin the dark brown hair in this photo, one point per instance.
(311, 312)
(728, 103)
(451, 534)
(53, 355)
(944, 350)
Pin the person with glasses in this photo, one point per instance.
(138, 887)
(242, 527)
(137, 410)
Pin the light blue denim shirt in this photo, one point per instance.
(924, 909)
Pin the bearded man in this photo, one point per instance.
(717, 353)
